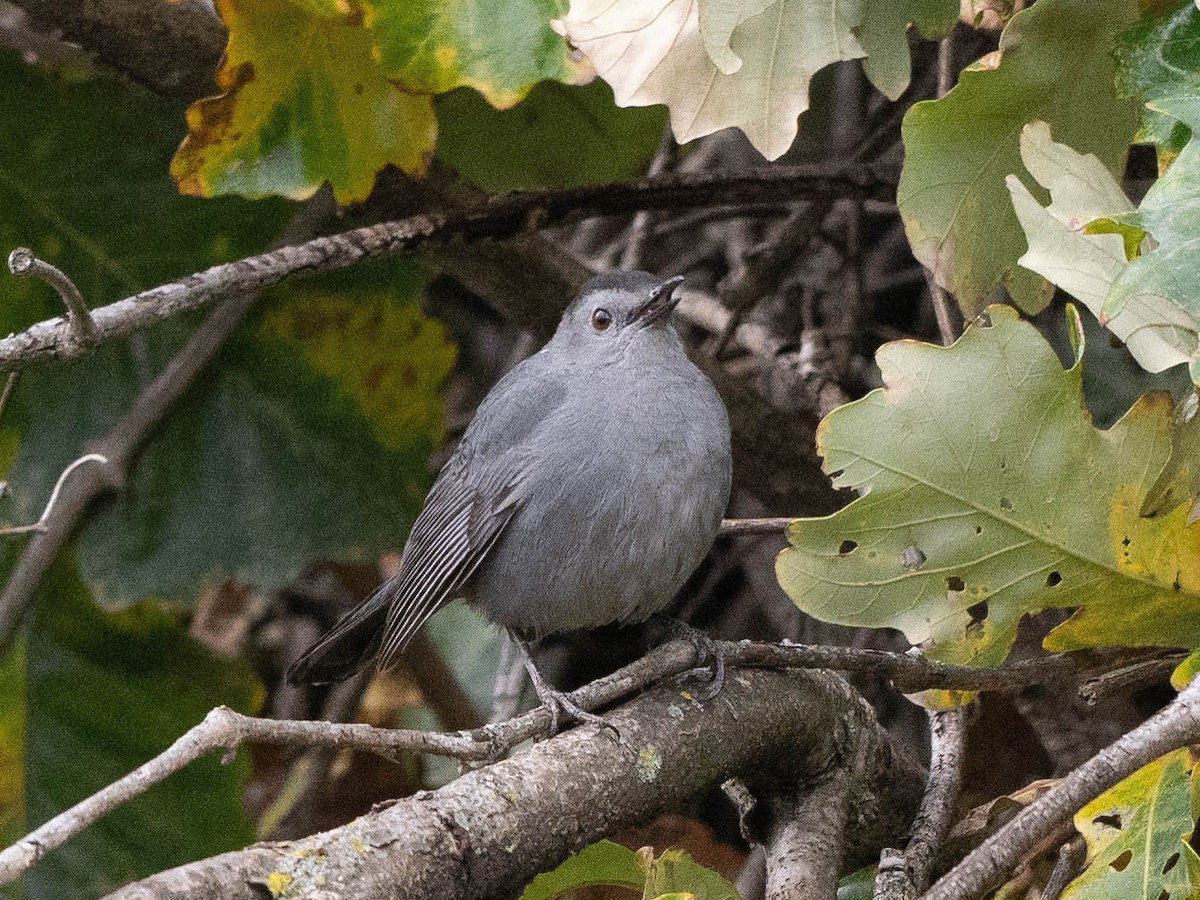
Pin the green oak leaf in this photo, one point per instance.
(1163, 284)
(1054, 64)
(883, 33)
(1136, 834)
(101, 694)
(603, 863)
(1160, 57)
(674, 874)
(558, 136)
(303, 102)
(1085, 263)
(988, 495)
(501, 48)
(655, 53)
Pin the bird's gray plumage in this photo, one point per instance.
(589, 485)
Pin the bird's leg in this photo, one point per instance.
(559, 705)
(708, 652)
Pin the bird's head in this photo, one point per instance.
(617, 310)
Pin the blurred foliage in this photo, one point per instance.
(101, 694)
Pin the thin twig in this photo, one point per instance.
(776, 525)
(1069, 863)
(510, 679)
(1139, 673)
(500, 218)
(939, 296)
(224, 729)
(639, 228)
(23, 264)
(1178, 725)
(9, 383)
(40, 524)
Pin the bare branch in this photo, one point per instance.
(984, 867)
(23, 264)
(903, 875)
(948, 738)
(460, 840)
(939, 296)
(224, 729)
(1067, 866)
(755, 526)
(172, 48)
(491, 741)
(500, 218)
(40, 524)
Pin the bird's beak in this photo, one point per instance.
(660, 304)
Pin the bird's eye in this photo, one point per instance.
(601, 319)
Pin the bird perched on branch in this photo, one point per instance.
(588, 487)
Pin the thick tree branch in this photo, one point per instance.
(560, 795)
(171, 48)
(224, 729)
(984, 867)
(500, 218)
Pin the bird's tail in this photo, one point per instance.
(350, 645)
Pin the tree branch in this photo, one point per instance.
(118, 447)
(984, 867)
(903, 876)
(224, 729)
(171, 48)
(500, 218)
(948, 738)
(459, 841)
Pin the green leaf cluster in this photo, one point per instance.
(335, 90)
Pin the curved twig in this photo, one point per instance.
(23, 264)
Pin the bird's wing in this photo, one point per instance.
(454, 532)
(461, 522)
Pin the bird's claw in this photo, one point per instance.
(709, 654)
(563, 709)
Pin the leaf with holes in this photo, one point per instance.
(1136, 836)
(303, 102)
(714, 63)
(1054, 64)
(989, 495)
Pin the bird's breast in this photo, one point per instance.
(623, 492)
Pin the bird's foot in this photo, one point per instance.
(561, 707)
(709, 654)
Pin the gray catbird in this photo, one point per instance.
(586, 490)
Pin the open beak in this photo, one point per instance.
(660, 304)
